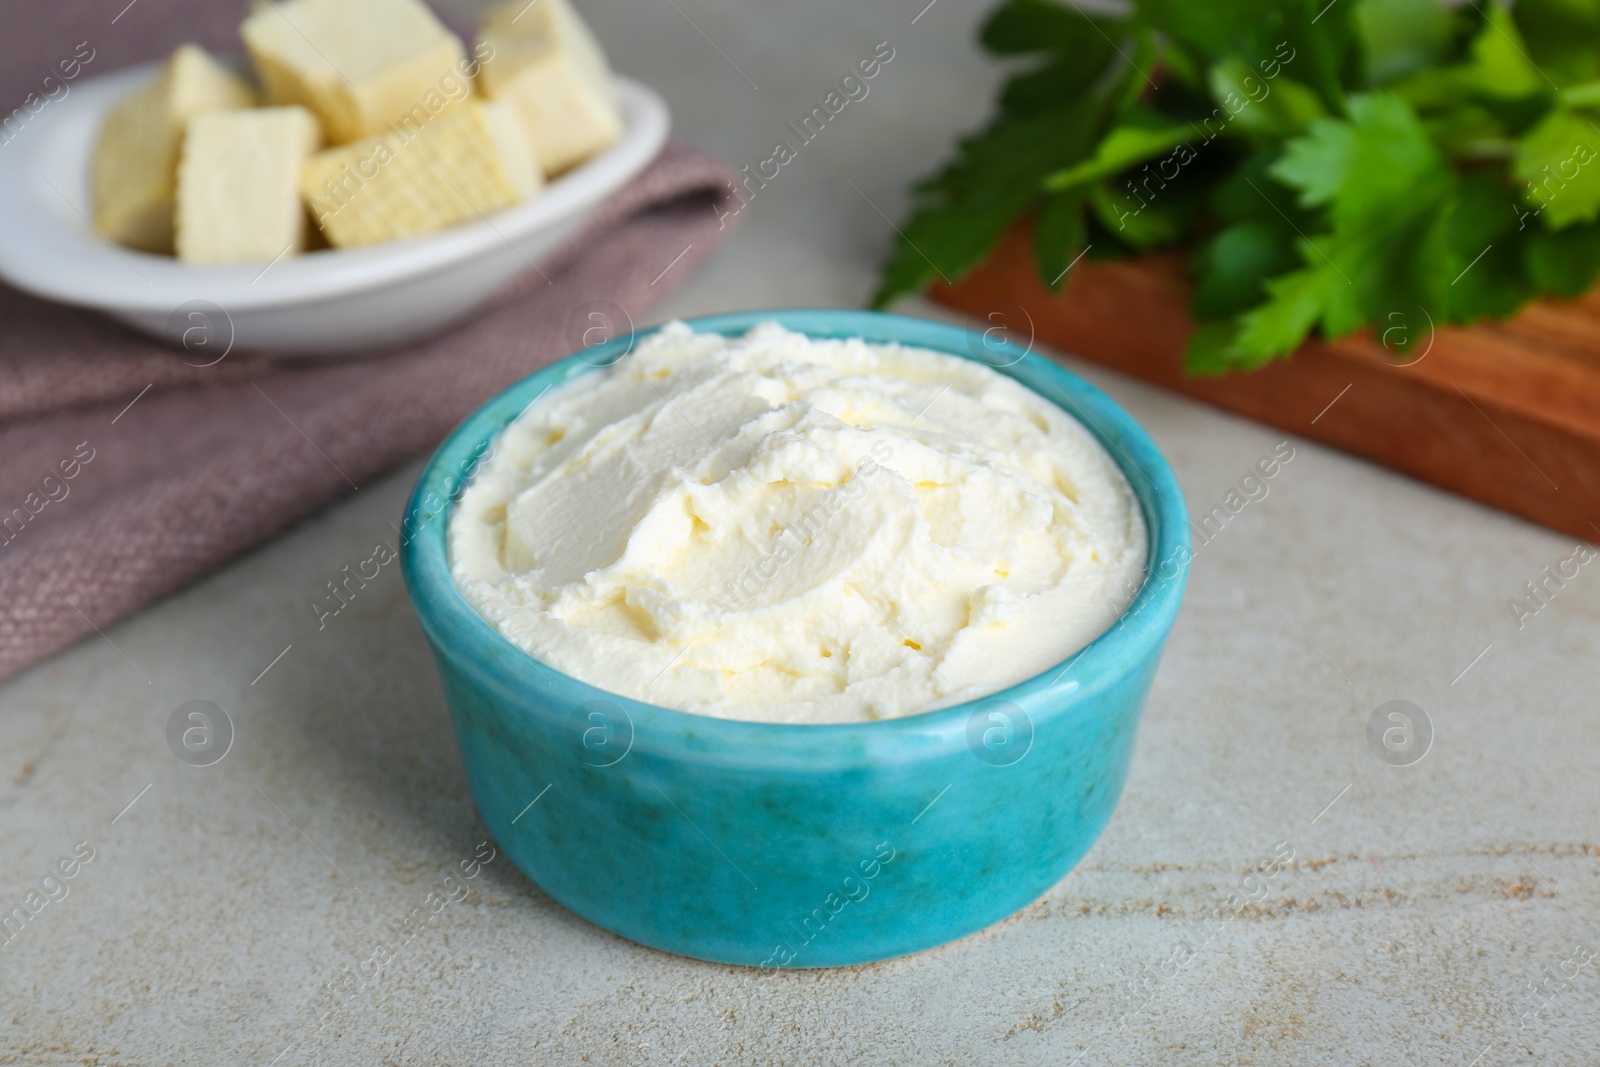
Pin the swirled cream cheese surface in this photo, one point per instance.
(782, 529)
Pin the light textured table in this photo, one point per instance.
(1425, 906)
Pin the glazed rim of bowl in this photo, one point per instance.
(523, 682)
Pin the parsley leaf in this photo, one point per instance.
(1563, 37)
(1233, 267)
(1295, 302)
(1387, 194)
(1330, 167)
(1565, 262)
(1558, 161)
(1276, 107)
(1058, 236)
(1401, 37)
(1484, 235)
(1139, 223)
(964, 211)
(1024, 26)
(1141, 135)
(1366, 167)
(1078, 50)
(1500, 63)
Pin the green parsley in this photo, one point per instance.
(1330, 166)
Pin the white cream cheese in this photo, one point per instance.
(789, 530)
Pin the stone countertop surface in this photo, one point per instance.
(1438, 912)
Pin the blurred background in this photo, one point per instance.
(822, 237)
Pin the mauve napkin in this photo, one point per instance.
(104, 507)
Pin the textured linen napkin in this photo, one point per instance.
(126, 471)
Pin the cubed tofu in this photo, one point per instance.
(456, 168)
(359, 65)
(541, 58)
(135, 169)
(239, 185)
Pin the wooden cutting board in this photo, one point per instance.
(1505, 413)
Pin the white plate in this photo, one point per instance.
(327, 302)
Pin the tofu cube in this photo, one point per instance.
(459, 167)
(239, 185)
(134, 173)
(541, 58)
(359, 65)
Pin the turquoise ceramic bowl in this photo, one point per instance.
(798, 846)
